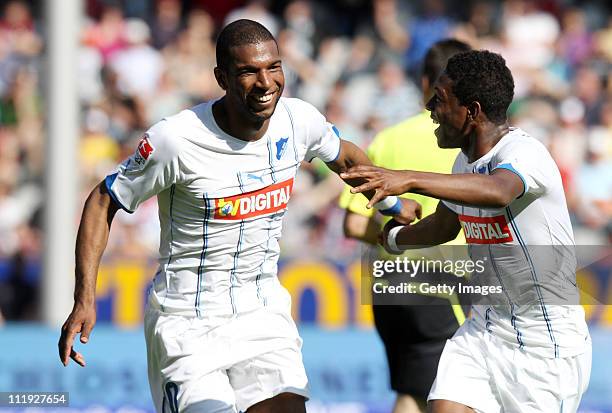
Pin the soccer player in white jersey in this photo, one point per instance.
(527, 354)
(218, 328)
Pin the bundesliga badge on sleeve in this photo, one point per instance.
(145, 149)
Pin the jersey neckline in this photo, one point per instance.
(493, 150)
(208, 113)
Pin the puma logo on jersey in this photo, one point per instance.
(267, 200)
(281, 145)
(485, 230)
(255, 177)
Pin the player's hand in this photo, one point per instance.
(411, 210)
(384, 235)
(81, 320)
(383, 182)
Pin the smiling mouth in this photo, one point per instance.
(263, 99)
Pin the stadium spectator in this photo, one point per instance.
(129, 62)
(166, 23)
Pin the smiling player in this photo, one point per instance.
(531, 352)
(219, 333)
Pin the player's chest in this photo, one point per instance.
(242, 183)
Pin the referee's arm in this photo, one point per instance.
(360, 227)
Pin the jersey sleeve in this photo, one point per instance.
(153, 167)
(526, 160)
(323, 138)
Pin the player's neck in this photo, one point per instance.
(232, 123)
(484, 138)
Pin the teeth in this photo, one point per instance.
(265, 98)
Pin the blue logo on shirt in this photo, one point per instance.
(482, 170)
(281, 145)
(255, 177)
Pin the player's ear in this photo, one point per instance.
(473, 110)
(221, 79)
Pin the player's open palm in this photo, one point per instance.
(81, 320)
(382, 181)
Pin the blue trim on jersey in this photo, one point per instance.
(172, 190)
(519, 335)
(499, 277)
(233, 271)
(203, 255)
(240, 184)
(534, 276)
(513, 318)
(108, 182)
(295, 152)
(510, 168)
(270, 152)
(263, 262)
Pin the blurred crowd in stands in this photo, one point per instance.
(357, 61)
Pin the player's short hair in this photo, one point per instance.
(437, 56)
(239, 33)
(482, 76)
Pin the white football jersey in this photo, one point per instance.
(528, 248)
(221, 204)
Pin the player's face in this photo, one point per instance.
(254, 80)
(449, 113)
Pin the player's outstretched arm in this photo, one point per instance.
(351, 156)
(438, 228)
(92, 237)
(496, 190)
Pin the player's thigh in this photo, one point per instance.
(176, 382)
(539, 385)
(211, 393)
(447, 406)
(463, 375)
(284, 402)
(269, 375)
(578, 372)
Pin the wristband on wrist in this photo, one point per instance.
(390, 205)
(392, 239)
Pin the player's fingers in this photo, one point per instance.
(365, 187)
(356, 172)
(65, 343)
(362, 168)
(77, 357)
(86, 331)
(378, 195)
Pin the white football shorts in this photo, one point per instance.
(484, 372)
(222, 366)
